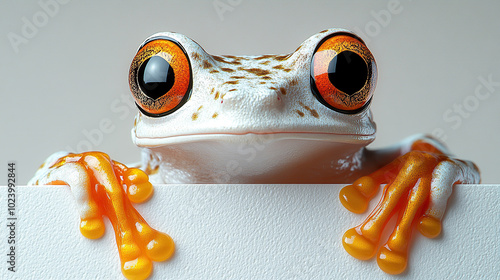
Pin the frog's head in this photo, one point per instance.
(323, 88)
(320, 92)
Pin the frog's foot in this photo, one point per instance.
(419, 184)
(98, 186)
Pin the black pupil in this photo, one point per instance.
(348, 72)
(156, 77)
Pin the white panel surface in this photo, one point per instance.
(248, 232)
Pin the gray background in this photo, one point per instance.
(70, 75)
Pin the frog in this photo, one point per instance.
(201, 117)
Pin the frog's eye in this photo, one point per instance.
(343, 73)
(160, 77)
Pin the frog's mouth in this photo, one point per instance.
(256, 157)
(252, 137)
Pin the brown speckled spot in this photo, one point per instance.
(234, 57)
(196, 56)
(215, 115)
(294, 82)
(262, 83)
(238, 77)
(282, 57)
(265, 62)
(300, 113)
(264, 56)
(233, 89)
(199, 108)
(214, 71)
(266, 78)
(231, 82)
(207, 64)
(217, 94)
(218, 58)
(212, 91)
(227, 70)
(234, 62)
(273, 88)
(222, 96)
(256, 71)
(324, 31)
(280, 67)
(313, 112)
(195, 116)
(283, 90)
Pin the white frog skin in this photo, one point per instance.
(263, 119)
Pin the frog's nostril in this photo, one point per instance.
(270, 98)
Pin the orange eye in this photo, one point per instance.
(160, 77)
(343, 73)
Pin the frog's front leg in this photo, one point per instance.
(98, 184)
(418, 185)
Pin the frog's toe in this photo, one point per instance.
(392, 262)
(92, 228)
(134, 261)
(76, 176)
(139, 188)
(393, 256)
(161, 247)
(138, 268)
(357, 196)
(157, 245)
(446, 174)
(358, 245)
(140, 245)
(429, 226)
